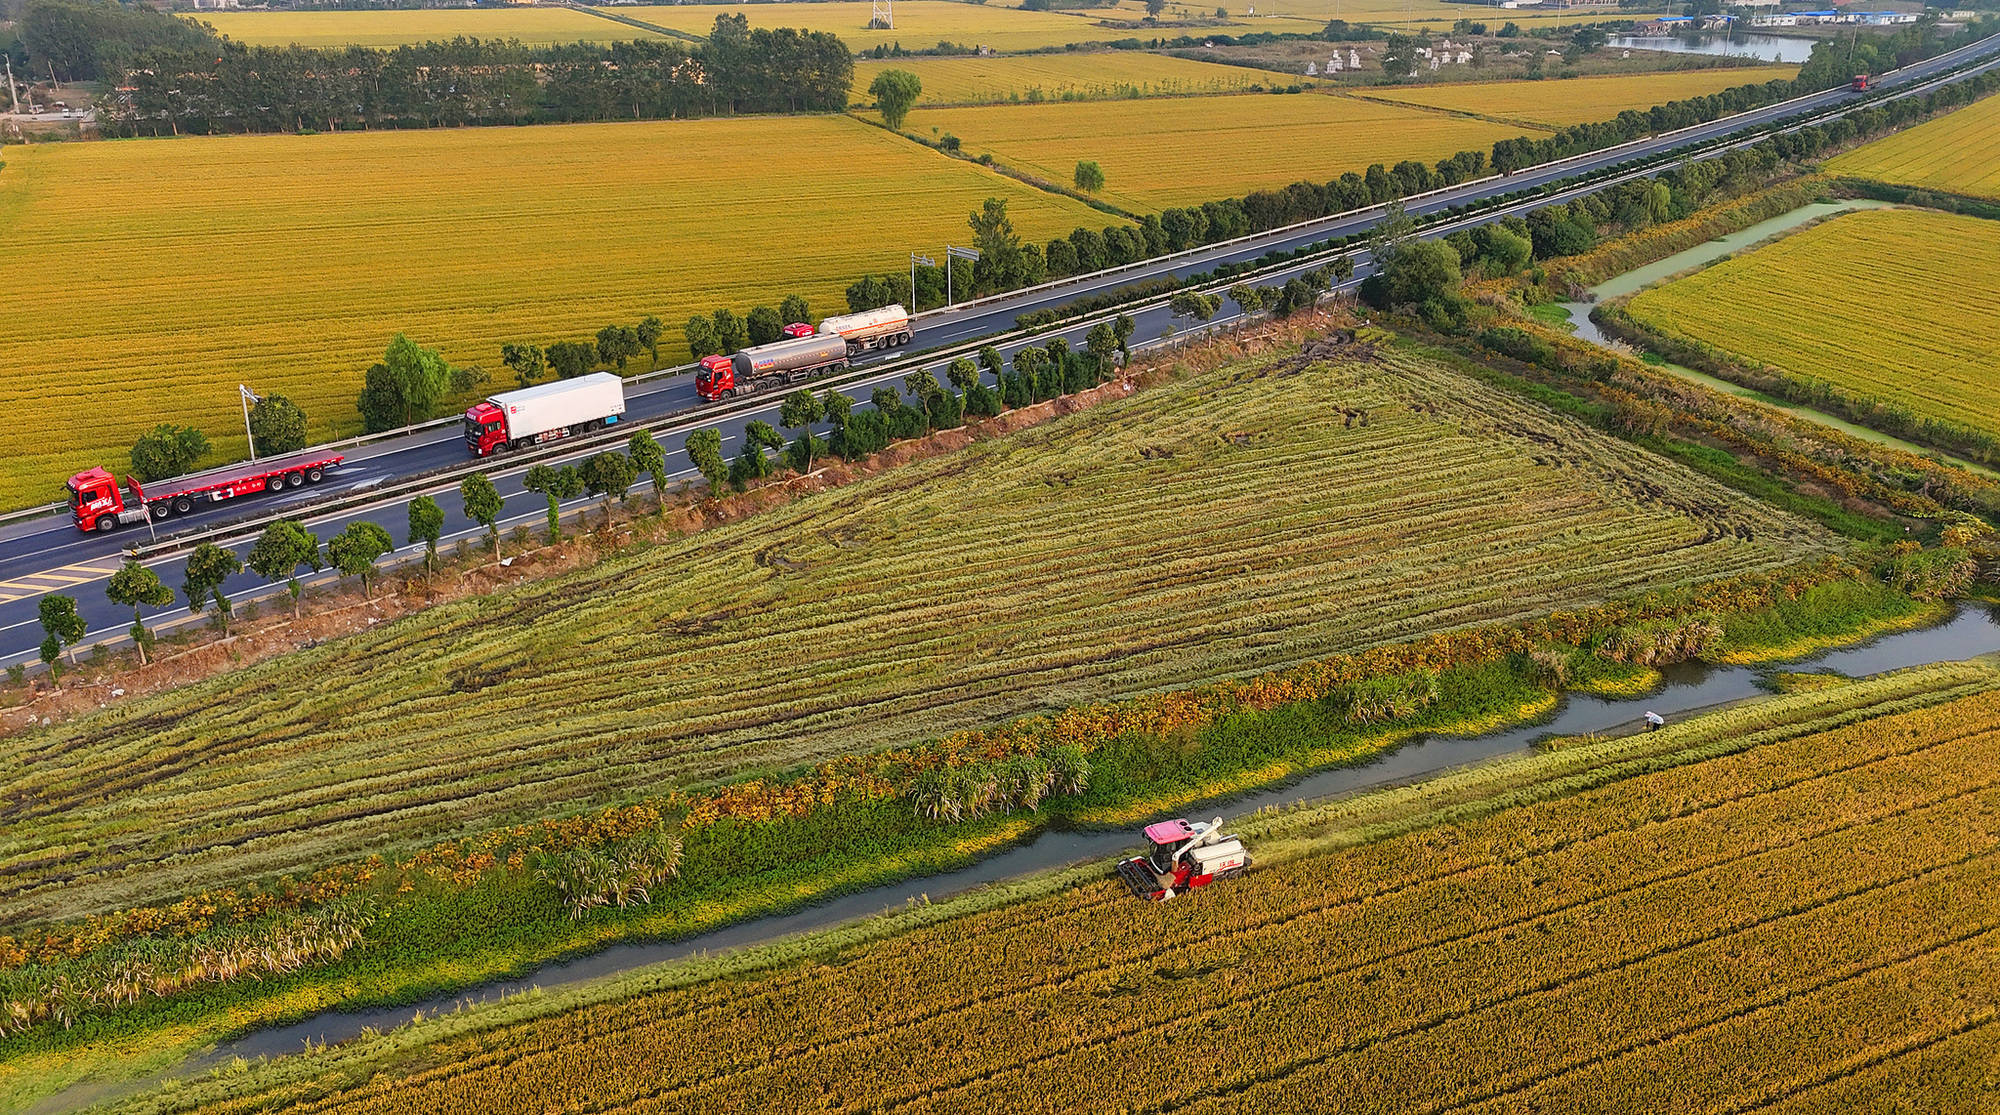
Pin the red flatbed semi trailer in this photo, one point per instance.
(98, 503)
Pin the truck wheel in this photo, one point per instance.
(106, 523)
(314, 474)
(160, 510)
(293, 480)
(183, 505)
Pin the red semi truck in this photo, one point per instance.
(1862, 83)
(871, 329)
(761, 367)
(97, 502)
(544, 412)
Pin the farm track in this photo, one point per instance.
(1220, 527)
(1826, 889)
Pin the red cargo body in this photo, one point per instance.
(97, 502)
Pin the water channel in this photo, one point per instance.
(1970, 632)
(1770, 48)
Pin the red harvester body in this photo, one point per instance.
(1183, 855)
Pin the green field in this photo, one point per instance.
(1790, 907)
(1958, 153)
(533, 26)
(1053, 77)
(288, 262)
(1898, 305)
(1220, 526)
(1162, 153)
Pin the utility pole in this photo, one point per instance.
(248, 397)
(914, 260)
(951, 253)
(12, 93)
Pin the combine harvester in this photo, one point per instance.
(1183, 856)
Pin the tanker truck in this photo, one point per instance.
(544, 412)
(762, 367)
(871, 329)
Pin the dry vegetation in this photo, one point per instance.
(288, 262)
(1251, 517)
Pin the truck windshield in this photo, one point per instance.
(75, 497)
(472, 428)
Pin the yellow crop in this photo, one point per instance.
(1227, 524)
(1808, 916)
(1883, 303)
(1160, 153)
(534, 26)
(1582, 100)
(288, 262)
(1105, 74)
(1959, 153)
(920, 24)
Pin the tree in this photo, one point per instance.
(555, 485)
(277, 425)
(418, 377)
(991, 360)
(649, 458)
(648, 332)
(1122, 327)
(1194, 305)
(704, 451)
(354, 551)
(751, 463)
(483, 505)
(1102, 342)
(134, 586)
(280, 550)
(1586, 39)
(1343, 268)
(426, 526)
(570, 359)
(617, 344)
(167, 450)
(730, 332)
(1089, 176)
(895, 91)
(1154, 8)
(798, 412)
(63, 626)
(1419, 272)
(608, 474)
(764, 325)
(999, 247)
(207, 568)
(527, 362)
(1399, 60)
(700, 334)
(794, 309)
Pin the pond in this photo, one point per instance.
(1770, 48)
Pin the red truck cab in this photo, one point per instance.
(715, 378)
(485, 429)
(1863, 83)
(98, 503)
(799, 329)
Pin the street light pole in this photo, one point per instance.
(247, 397)
(951, 253)
(914, 260)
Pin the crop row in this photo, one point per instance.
(1658, 920)
(1958, 153)
(1580, 100)
(1204, 531)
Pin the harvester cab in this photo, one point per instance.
(1182, 855)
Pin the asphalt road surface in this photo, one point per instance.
(49, 555)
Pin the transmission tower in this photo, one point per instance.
(882, 15)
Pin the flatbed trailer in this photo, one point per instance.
(97, 501)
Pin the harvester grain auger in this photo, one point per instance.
(1183, 855)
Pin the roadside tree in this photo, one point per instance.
(134, 586)
(280, 550)
(355, 550)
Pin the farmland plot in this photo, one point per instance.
(1220, 526)
(1582, 100)
(1958, 153)
(532, 26)
(1916, 322)
(208, 262)
(920, 24)
(1802, 915)
(1052, 77)
(1162, 153)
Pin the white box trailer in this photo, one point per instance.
(544, 412)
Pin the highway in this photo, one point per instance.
(48, 554)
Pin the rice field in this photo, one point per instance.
(1582, 100)
(920, 24)
(1806, 920)
(289, 262)
(1161, 153)
(1220, 526)
(1958, 153)
(1896, 304)
(534, 26)
(1051, 77)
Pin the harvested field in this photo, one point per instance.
(1257, 516)
(1583, 100)
(1161, 153)
(462, 238)
(1918, 324)
(1800, 912)
(1106, 75)
(384, 29)
(1958, 153)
